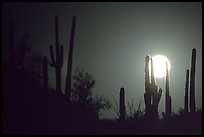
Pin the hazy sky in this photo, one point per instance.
(112, 40)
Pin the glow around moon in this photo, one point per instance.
(159, 62)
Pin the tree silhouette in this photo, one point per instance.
(83, 93)
(25, 58)
(83, 84)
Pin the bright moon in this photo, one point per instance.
(159, 63)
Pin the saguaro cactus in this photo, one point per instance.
(168, 97)
(11, 45)
(57, 61)
(186, 92)
(192, 81)
(69, 64)
(122, 104)
(151, 96)
(45, 72)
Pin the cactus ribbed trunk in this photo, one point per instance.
(57, 62)
(186, 92)
(168, 97)
(69, 64)
(58, 79)
(147, 86)
(192, 81)
(151, 96)
(122, 104)
(11, 45)
(45, 72)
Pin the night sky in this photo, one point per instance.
(112, 40)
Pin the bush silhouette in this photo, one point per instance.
(82, 94)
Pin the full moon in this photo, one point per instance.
(159, 63)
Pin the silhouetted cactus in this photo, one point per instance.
(11, 45)
(69, 64)
(45, 72)
(192, 81)
(186, 92)
(168, 97)
(151, 96)
(57, 61)
(122, 104)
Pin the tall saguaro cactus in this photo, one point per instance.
(69, 64)
(168, 97)
(57, 61)
(45, 72)
(122, 104)
(186, 92)
(192, 81)
(151, 96)
(11, 45)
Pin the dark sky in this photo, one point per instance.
(112, 40)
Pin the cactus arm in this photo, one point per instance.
(159, 95)
(53, 62)
(168, 97)
(69, 64)
(45, 72)
(147, 82)
(152, 72)
(167, 79)
(192, 81)
(61, 56)
(186, 92)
